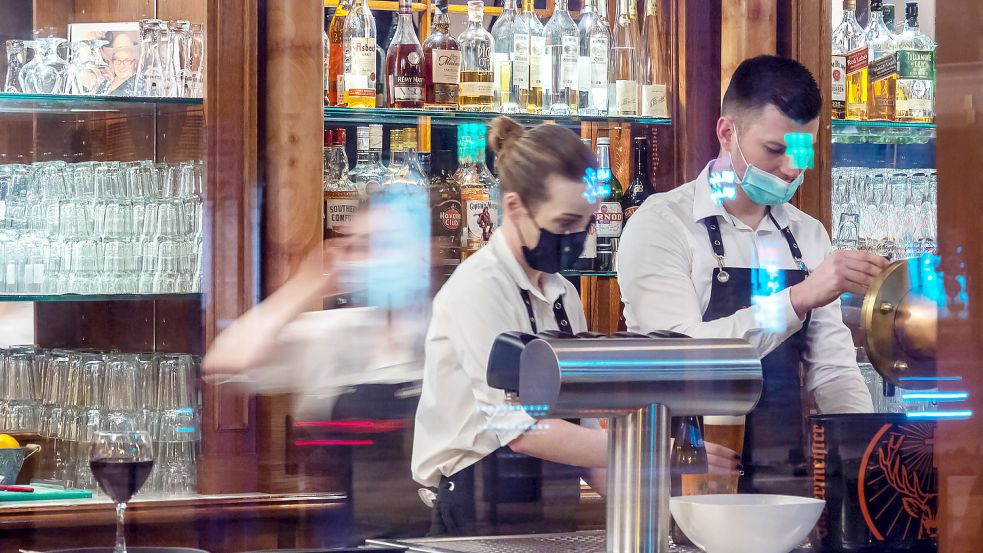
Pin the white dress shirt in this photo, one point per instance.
(665, 268)
(460, 418)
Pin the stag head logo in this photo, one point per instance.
(918, 504)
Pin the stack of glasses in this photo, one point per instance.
(100, 228)
(67, 396)
(891, 212)
(169, 63)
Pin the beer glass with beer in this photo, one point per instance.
(727, 432)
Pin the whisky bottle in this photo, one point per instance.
(654, 65)
(640, 186)
(887, 10)
(359, 39)
(341, 201)
(369, 173)
(563, 47)
(850, 66)
(539, 64)
(503, 33)
(883, 70)
(404, 63)
(624, 65)
(916, 71)
(336, 55)
(477, 192)
(599, 41)
(609, 217)
(587, 17)
(442, 63)
(477, 75)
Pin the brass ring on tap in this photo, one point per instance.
(900, 326)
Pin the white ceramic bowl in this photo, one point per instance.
(746, 523)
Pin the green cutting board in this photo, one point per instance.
(42, 492)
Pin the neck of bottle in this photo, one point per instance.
(510, 5)
(641, 163)
(562, 5)
(475, 17)
(588, 7)
(911, 22)
(528, 6)
(441, 21)
(405, 8)
(849, 13)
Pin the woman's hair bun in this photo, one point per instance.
(504, 132)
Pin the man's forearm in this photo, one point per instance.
(563, 442)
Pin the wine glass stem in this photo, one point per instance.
(120, 539)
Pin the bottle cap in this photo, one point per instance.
(340, 137)
(476, 10)
(328, 134)
(876, 5)
(405, 6)
(375, 137)
(396, 140)
(362, 138)
(850, 5)
(603, 141)
(911, 9)
(409, 138)
(888, 11)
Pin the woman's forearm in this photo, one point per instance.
(562, 442)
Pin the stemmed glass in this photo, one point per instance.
(121, 463)
(89, 74)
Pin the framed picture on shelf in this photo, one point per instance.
(121, 51)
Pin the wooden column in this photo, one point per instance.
(959, 107)
(228, 462)
(747, 29)
(695, 113)
(294, 136)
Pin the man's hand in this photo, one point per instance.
(842, 271)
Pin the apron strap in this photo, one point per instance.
(793, 246)
(559, 313)
(717, 243)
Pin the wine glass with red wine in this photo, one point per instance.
(121, 463)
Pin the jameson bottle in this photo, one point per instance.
(640, 186)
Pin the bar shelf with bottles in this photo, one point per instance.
(884, 195)
(561, 72)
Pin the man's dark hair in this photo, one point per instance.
(783, 83)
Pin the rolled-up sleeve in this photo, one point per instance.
(655, 276)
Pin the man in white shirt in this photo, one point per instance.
(725, 256)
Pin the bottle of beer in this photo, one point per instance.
(640, 186)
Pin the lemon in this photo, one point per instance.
(8, 441)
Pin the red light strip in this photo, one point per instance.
(377, 426)
(333, 442)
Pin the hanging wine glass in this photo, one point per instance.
(16, 58)
(89, 74)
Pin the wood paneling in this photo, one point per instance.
(747, 29)
(697, 40)
(959, 99)
(601, 298)
(294, 132)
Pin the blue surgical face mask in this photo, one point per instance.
(764, 188)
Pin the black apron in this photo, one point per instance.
(773, 436)
(507, 477)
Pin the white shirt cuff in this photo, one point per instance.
(775, 314)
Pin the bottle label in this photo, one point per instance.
(360, 63)
(590, 245)
(651, 7)
(839, 81)
(916, 64)
(520, 61)
(856, 60)
(883, 67)
(630, 211)
(626, 97)
(569, 55)
(408, 89)
(538, 75)
(447, 218)
(654, 100)
(477, 89)
(609, 219)
(339, 213)
(446, 66)
(503, 72)
(599, 61)
(583, 73)
(481, 215)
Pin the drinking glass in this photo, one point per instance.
(847, 233)
(152, 68)
(16, 58)
(121, 463)
(174, 384)
(84, 275)
(88, 73)
(179, 58)
(47, 72)
(20, 391)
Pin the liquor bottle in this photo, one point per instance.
(477, 195)
(587, 18)
(369, 173)
(381, 49)
(688, 457)
(849, 66)
(411, 148)
(503, 33)
(640, 186)
(477, 75)
(623, 95)
(916, 71)
(563, 47)
(341, 199)
(445, 213)
(599, 41)
(331, 168)
(609, 216)
(588, 257)
(655, 65)
(359, 39)
(887, 10)
(404, 63)
(336, 55)
(325, 69)
(538, 61)
(442, 63)
(397, 161)
(883, 69)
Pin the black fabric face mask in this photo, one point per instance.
(555, 252)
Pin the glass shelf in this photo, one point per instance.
(98, 297)
(882, 132)
(575, 274)
(335, 115)
(70, 104)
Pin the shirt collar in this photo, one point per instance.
(553, 286)
(705, 206)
